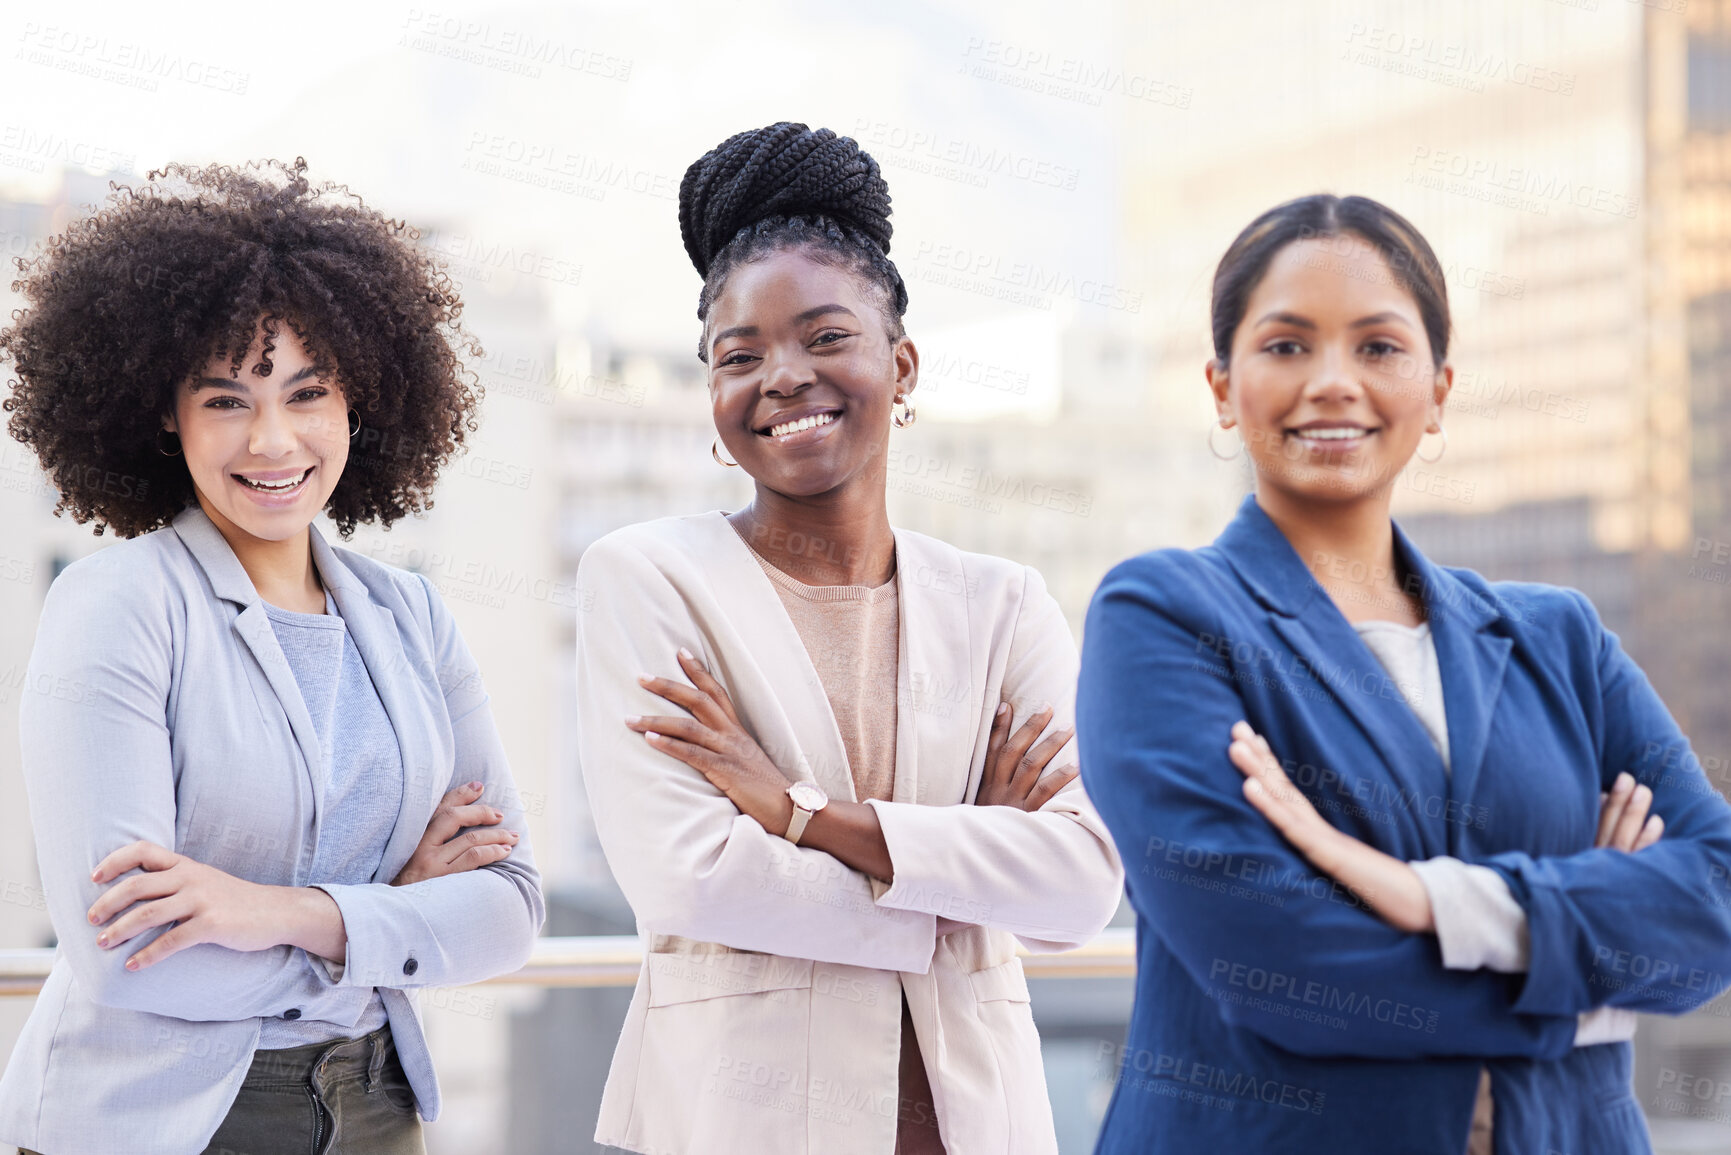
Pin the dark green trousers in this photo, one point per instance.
(344, 1098)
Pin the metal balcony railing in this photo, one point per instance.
(613, 961)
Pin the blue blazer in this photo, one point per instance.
(1274, 1011)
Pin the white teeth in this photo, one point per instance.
(1335, 434)
(272, 486)
(813, 422)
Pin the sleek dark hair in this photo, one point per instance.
(789, 187)
(1410, 261)
(129, 301)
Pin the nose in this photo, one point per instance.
(1337, 379)
(786, 372)
(272, 435)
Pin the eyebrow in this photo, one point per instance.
(811, 314)
(1378, 319)
(234, 383)
(1299, 322)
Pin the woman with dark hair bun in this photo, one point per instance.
(268, 796)
(1403, 875)
(841, 789)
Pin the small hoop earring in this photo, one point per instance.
(175, 452)
(905, 418)
(1216, 452)
(715, 452)
(1439, 453)
(354, 422)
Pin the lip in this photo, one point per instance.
(278, 499)
(804, 436)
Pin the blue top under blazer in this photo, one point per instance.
(1274, 1011)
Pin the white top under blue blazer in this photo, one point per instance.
(159, 706)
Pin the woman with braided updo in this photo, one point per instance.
(268, 795)
(865, 793)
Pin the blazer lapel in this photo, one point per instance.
(228, 580)
(754, 611)
(426, 768)
(1472, 658)
(1333, 656)
(933, 750)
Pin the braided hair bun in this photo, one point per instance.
(789, 186)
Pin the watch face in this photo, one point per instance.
(806, 796)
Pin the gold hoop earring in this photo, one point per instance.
(175, 452)
(1216, 452)
(903, 419)
(715, 452)
(1439, 453)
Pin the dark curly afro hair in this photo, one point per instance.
(128, 302)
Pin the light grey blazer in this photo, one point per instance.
(159, 706)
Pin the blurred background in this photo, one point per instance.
(1064, 181)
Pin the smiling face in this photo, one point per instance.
(1331, 381)
(264, 452)
(802, 375)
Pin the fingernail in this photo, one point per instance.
(92, 917)
(687, 654)
(644, 679)
(633, 719)
(514, 835)
(474, 785)
(651, 735)
(132, 964)
(1002, 706)
(101, 940)
(1623, 782)
(498, 816)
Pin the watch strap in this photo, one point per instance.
(796, 825)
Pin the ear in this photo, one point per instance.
(1445, 381)
(1220, 385)
(907, 361)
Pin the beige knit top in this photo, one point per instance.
(852, 634)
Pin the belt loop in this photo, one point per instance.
(377, 1066)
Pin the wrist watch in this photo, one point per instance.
(808, 799)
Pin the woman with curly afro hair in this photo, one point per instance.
(268, 796)
(866, 793)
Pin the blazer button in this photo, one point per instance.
(292, 1013)
(411, 967)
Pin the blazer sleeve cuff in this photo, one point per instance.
(1479, 925)
(1605, 1025)
(383, 951)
